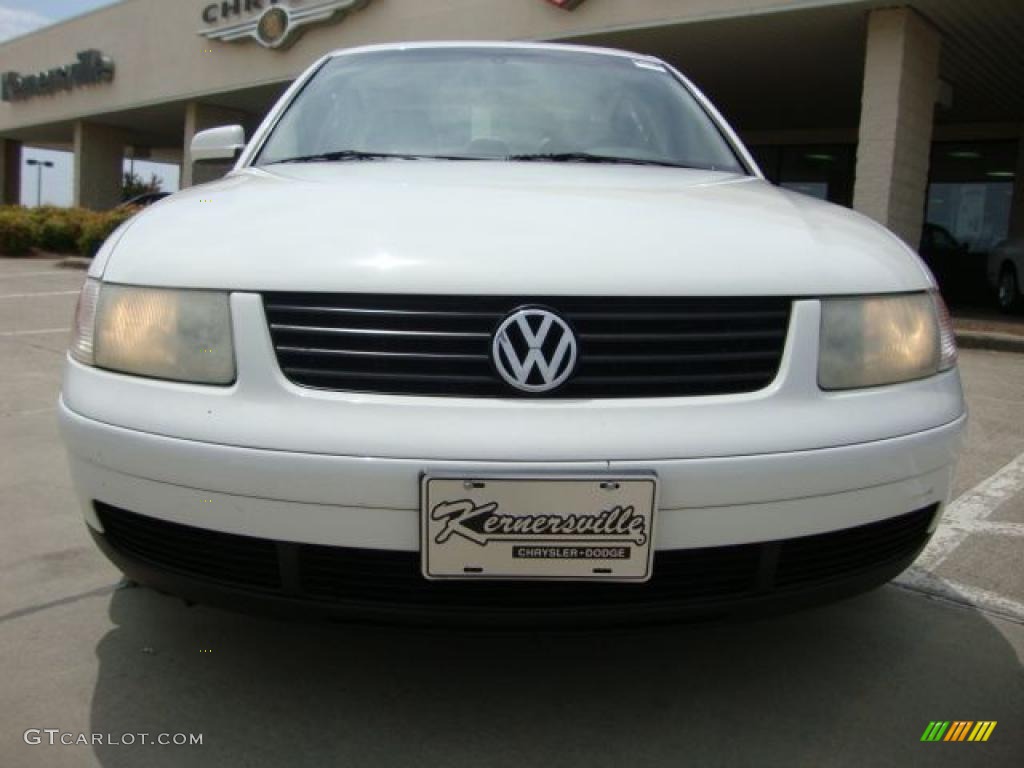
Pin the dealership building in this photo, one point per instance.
(909, 112)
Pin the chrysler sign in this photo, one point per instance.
(271, 23)
(91, 67)
(278, 23)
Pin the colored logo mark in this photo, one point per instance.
(958, 730)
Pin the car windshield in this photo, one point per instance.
(497, 104)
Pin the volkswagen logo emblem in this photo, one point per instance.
(534, 350)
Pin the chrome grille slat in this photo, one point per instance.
(382, 312)
(672, 378)
(619, 338)
(718, 316)
(380, 353)
(375, 331)
(441, 345)
(293, 371)
(684, 357)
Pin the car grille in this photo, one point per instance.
(441, 345)
(681, 577)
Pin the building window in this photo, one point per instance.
(970, 191)
(970, 196)
(824, 171)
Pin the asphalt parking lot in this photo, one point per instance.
(851, 684)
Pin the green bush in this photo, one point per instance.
(17, 232)
(59, 232)
(41, 213)
(97, 227)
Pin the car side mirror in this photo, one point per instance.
(218, 144)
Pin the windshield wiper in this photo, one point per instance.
(352, 155)
(347, 155)
(587, 157)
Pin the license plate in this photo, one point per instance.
(538, 528)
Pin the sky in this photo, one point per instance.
(20, 16)
(17, 17)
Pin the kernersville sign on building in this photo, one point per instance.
(91, 67)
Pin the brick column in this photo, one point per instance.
(901, 80)
(10, 172)
(99, 166)
(199, 117)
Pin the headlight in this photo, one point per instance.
(875, 340)
(157, 332)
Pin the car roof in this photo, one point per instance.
(498, 45)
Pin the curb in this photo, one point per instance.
(74, 262)
(999, 342)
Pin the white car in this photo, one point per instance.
(1005, 268)
(506, 332)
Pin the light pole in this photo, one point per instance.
(39, 164)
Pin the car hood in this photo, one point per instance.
(507, 228)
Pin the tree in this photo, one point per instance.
(133, 185)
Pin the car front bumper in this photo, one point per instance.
(752, 476)
(373, 503)
(762, 532)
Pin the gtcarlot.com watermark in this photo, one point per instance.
(56, 737)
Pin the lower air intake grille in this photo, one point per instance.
(815, 558)
(380, 577)
(236, 560)
(391, 577)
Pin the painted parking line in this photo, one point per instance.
(51, 273)
(985, 600)
(965, 516)
(29, 412)
(37, 332)
(37, 295)
(969, 513)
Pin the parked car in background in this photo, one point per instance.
(940, 250)
(1006, 272)
(501, 332)
(144, 200)
(960, 273)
